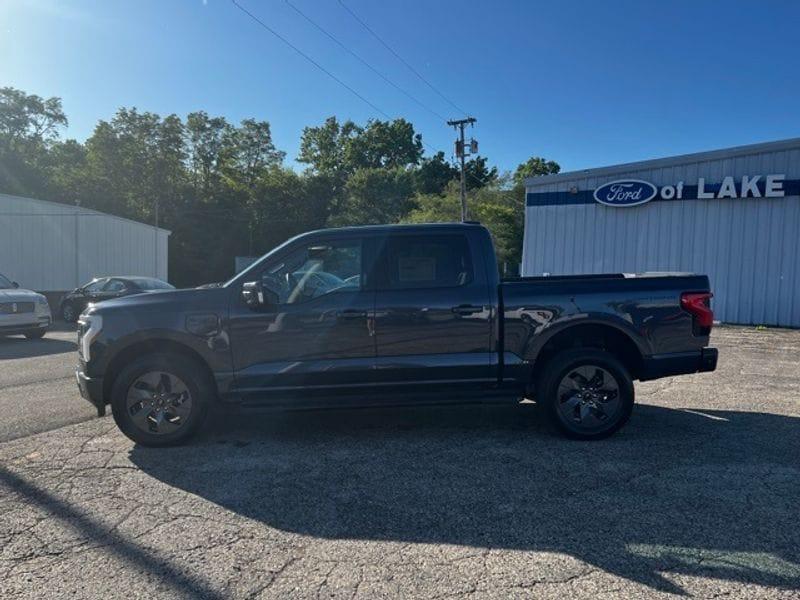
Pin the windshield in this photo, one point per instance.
(5, 283)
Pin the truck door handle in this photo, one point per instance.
(466, 309)
(351, 314)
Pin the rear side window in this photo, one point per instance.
(439, 261)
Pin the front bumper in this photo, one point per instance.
(18, 328)
(679, 363)
(92, 390)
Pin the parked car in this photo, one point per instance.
(420, 315)
(22, 311)
(106, 288)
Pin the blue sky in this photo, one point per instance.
(583, 83)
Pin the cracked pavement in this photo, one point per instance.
(699, 495)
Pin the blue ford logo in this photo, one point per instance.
(626, 192)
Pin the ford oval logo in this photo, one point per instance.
(625, 192)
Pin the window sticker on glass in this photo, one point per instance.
(416, 269)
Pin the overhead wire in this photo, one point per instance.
(400, 58)
(334, 77)
(364, 62)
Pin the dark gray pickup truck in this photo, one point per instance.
(390, 315)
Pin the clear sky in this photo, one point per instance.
(584, 83)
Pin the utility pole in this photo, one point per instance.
(155, 241)
(461, 153)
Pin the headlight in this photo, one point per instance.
(91, 325)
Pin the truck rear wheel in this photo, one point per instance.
(587, 393)
(161, 399)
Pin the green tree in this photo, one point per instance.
(210, 142)
(375, 196)
(27, 118)
(29, 126)
(323, 148)
(383, 144)
(338, 150)
(494, 205)
(252, 151)
(434, 174)
(534, 167)
(478, 174)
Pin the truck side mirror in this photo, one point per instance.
(14, 284)
(255, 295)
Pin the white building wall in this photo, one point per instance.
(748, 247)
(54, 247)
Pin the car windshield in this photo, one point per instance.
(5, 283)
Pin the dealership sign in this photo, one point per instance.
(632, 192)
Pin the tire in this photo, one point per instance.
(68, 313)
(587, 394)
(152, 413)
(35, 334)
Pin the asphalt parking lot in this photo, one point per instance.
(37, 384)
(699, 495)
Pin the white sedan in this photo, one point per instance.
(22, 311)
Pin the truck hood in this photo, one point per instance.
(18, 295)
(165, 300)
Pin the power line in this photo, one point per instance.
(334, 77)
(307, 57)
(401, 59)
(364, 62)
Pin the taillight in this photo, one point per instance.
(699, 305)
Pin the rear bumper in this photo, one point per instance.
(679, 363)
(92, 390)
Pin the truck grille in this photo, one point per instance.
(13, 308)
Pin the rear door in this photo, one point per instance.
(433, 312)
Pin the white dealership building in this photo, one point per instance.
(733, 214)
(52, 247)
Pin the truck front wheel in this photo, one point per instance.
(161, 400)
(587, 393)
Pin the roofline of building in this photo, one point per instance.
(79, 210)
(669, 161)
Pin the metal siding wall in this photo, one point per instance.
(749, 248)
(52, 247)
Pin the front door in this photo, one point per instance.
(319, 333)
(433, 313)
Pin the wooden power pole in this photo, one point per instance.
(461, 153)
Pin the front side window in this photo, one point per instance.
(428, 262)
(95, 286)
(114, 286)
(314, 270)
(5, 283)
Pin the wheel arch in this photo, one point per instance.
(596, 335)
(152, 346)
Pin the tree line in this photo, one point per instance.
(224, 190)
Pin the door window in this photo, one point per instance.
(440, 261)
(95, 286)
(114, 286)
(316, 269)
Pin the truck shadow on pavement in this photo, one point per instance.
(711, 494)
(20, 347)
